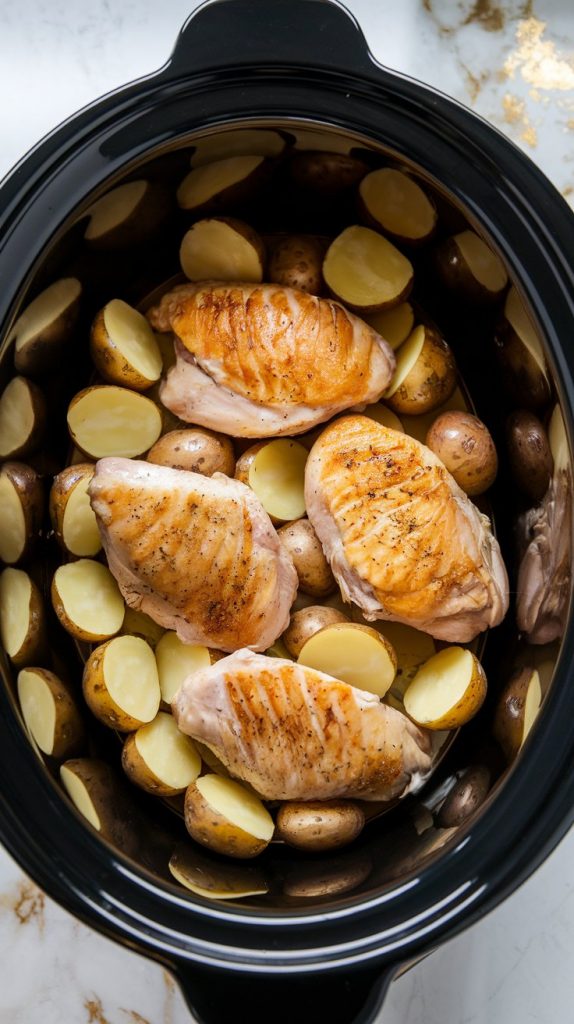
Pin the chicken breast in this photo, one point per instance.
(197, 554)
(262, 360)
(404, 542)
(297, 734)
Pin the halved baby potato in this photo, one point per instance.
(305, 623)
(365, 271)
(447, 691)
(127, 215)
(319, 825)
(226, 817)
(22, 617)
(296, 262)
(393, 202)
(124, 347)
(176, 661)
(197, 450)
(239, 142)
(355, 654)
(412, 648)
(50, 713)
(22, 418)
(304, 546)
(159, 758)
(326, 172)
(45, 325)
(394, 325)
(96, 792)
(425, 374)
(21, 508)
(105, 420)
(121, 684)
(275, 471)
(517, 709)
(137, 623)
(72, 516)
(221, 183)
(521, 356)
(386, 417)
(214, 879)
(468, 267)
(222, 249)
(87, 600)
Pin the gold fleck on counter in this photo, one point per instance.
(538, 60)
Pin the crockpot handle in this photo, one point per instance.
(231, 33)
(344, 997)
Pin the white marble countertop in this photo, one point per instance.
(513, 62)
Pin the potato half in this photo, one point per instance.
(464, 445)
(124, 347)
(121, 684)
(386, 417)
(160, 759)
(45, 325)
(529, 454)
(137, 623)
(366, 271)
(96, 792)
(215, 879)
(425, 374)
(22, 418)
(517, 710)
(447, 691)
(325, 172)
(305, 623)
(87, 600)
(22, 617)
(468, 267)
(394, 325)
(197, 450)
(72, 516)
(176, 661)
(412, 648)
(304, 546)
(223, 183)
(127, 215)
(226, 817)
(222, 249)
(49, 712)
(394, 203)
(317, 825)
(296, 262)
(21, 508)
(275, 471)
(521, 357)
(106, 420)
(356, 654)
(239, 142)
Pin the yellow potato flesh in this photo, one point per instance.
(15, 597)
(237, 805)
(517, 315)
(13, 522)
(439, 685)
(354, 654)
(90, 596)
(139, 624)
(412, 649)
(277, 475)
(407, 356)
(131, 678)
(168, 754)
(558, 441)
(107, 421)
(484, 265)
(79, 525)
(394, 325)
(398, 203)
(364, 269)
(240, 142)
(532, 704)
(45, 309)
(76, 790)
(386, 417)
(214, 251)
(16, 416)
(38, 708)
(215, 893)
(109, 211)
(207, 181)
(176, 661)
(132, 335)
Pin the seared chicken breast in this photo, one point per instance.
(262, 360)
(197, 554)
(297, 734)
(404, 542)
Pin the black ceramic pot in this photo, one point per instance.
(331, 941)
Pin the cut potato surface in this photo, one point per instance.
(386, 417)
(124, 347)
(356, 654)
(483, 263)
(425, 374)
(412, 648)
(87, 600)
(126, 215)
(106, 421)
(216, 181)
(366, 271)
(214, 879)
(305, 622)
(397, 205)
(22, 623)
(239, 142)
(137, 623)
(517, 710)
(407, 356)
(226, 817)
(277, 476)
(22, 418)
(51, 715)
(447, 691)
(394, 325)
(518, 317)
(113, 208)
(21, 507)
(72, 515)
(160, 759)
(176, 661)
(97, 793)
(222, 249)
(78, 791)
(121, 684)
(45, 324)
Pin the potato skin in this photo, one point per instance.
(326, 172)
(319, 825)
(456, 275)
(524, 380)
(110, 801)
(68, 726)
(41, 351)
(465, 797)
(28, 486)
(508, 726)
(62, 487)
(304, 546)
(304, 623)
(110, 362)
(139, 773)
(210, 828)
(98, 698)
(430, 382)
(35, 640)
(243, 464)
(465, 709)
(197, 450)
(234, 195)
(464, 444)
(529, 453)
(296, 262)
(220, 880)
(36, 434)
(147, 216)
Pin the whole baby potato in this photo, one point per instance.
(304, 546)
(197, 450)
(529, 453)
(306, 622)
(464, 444)
(296, 262)
(319, 825)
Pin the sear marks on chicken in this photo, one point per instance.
(198, 554)
(404, 542)
(263, 360)
(297, 734)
